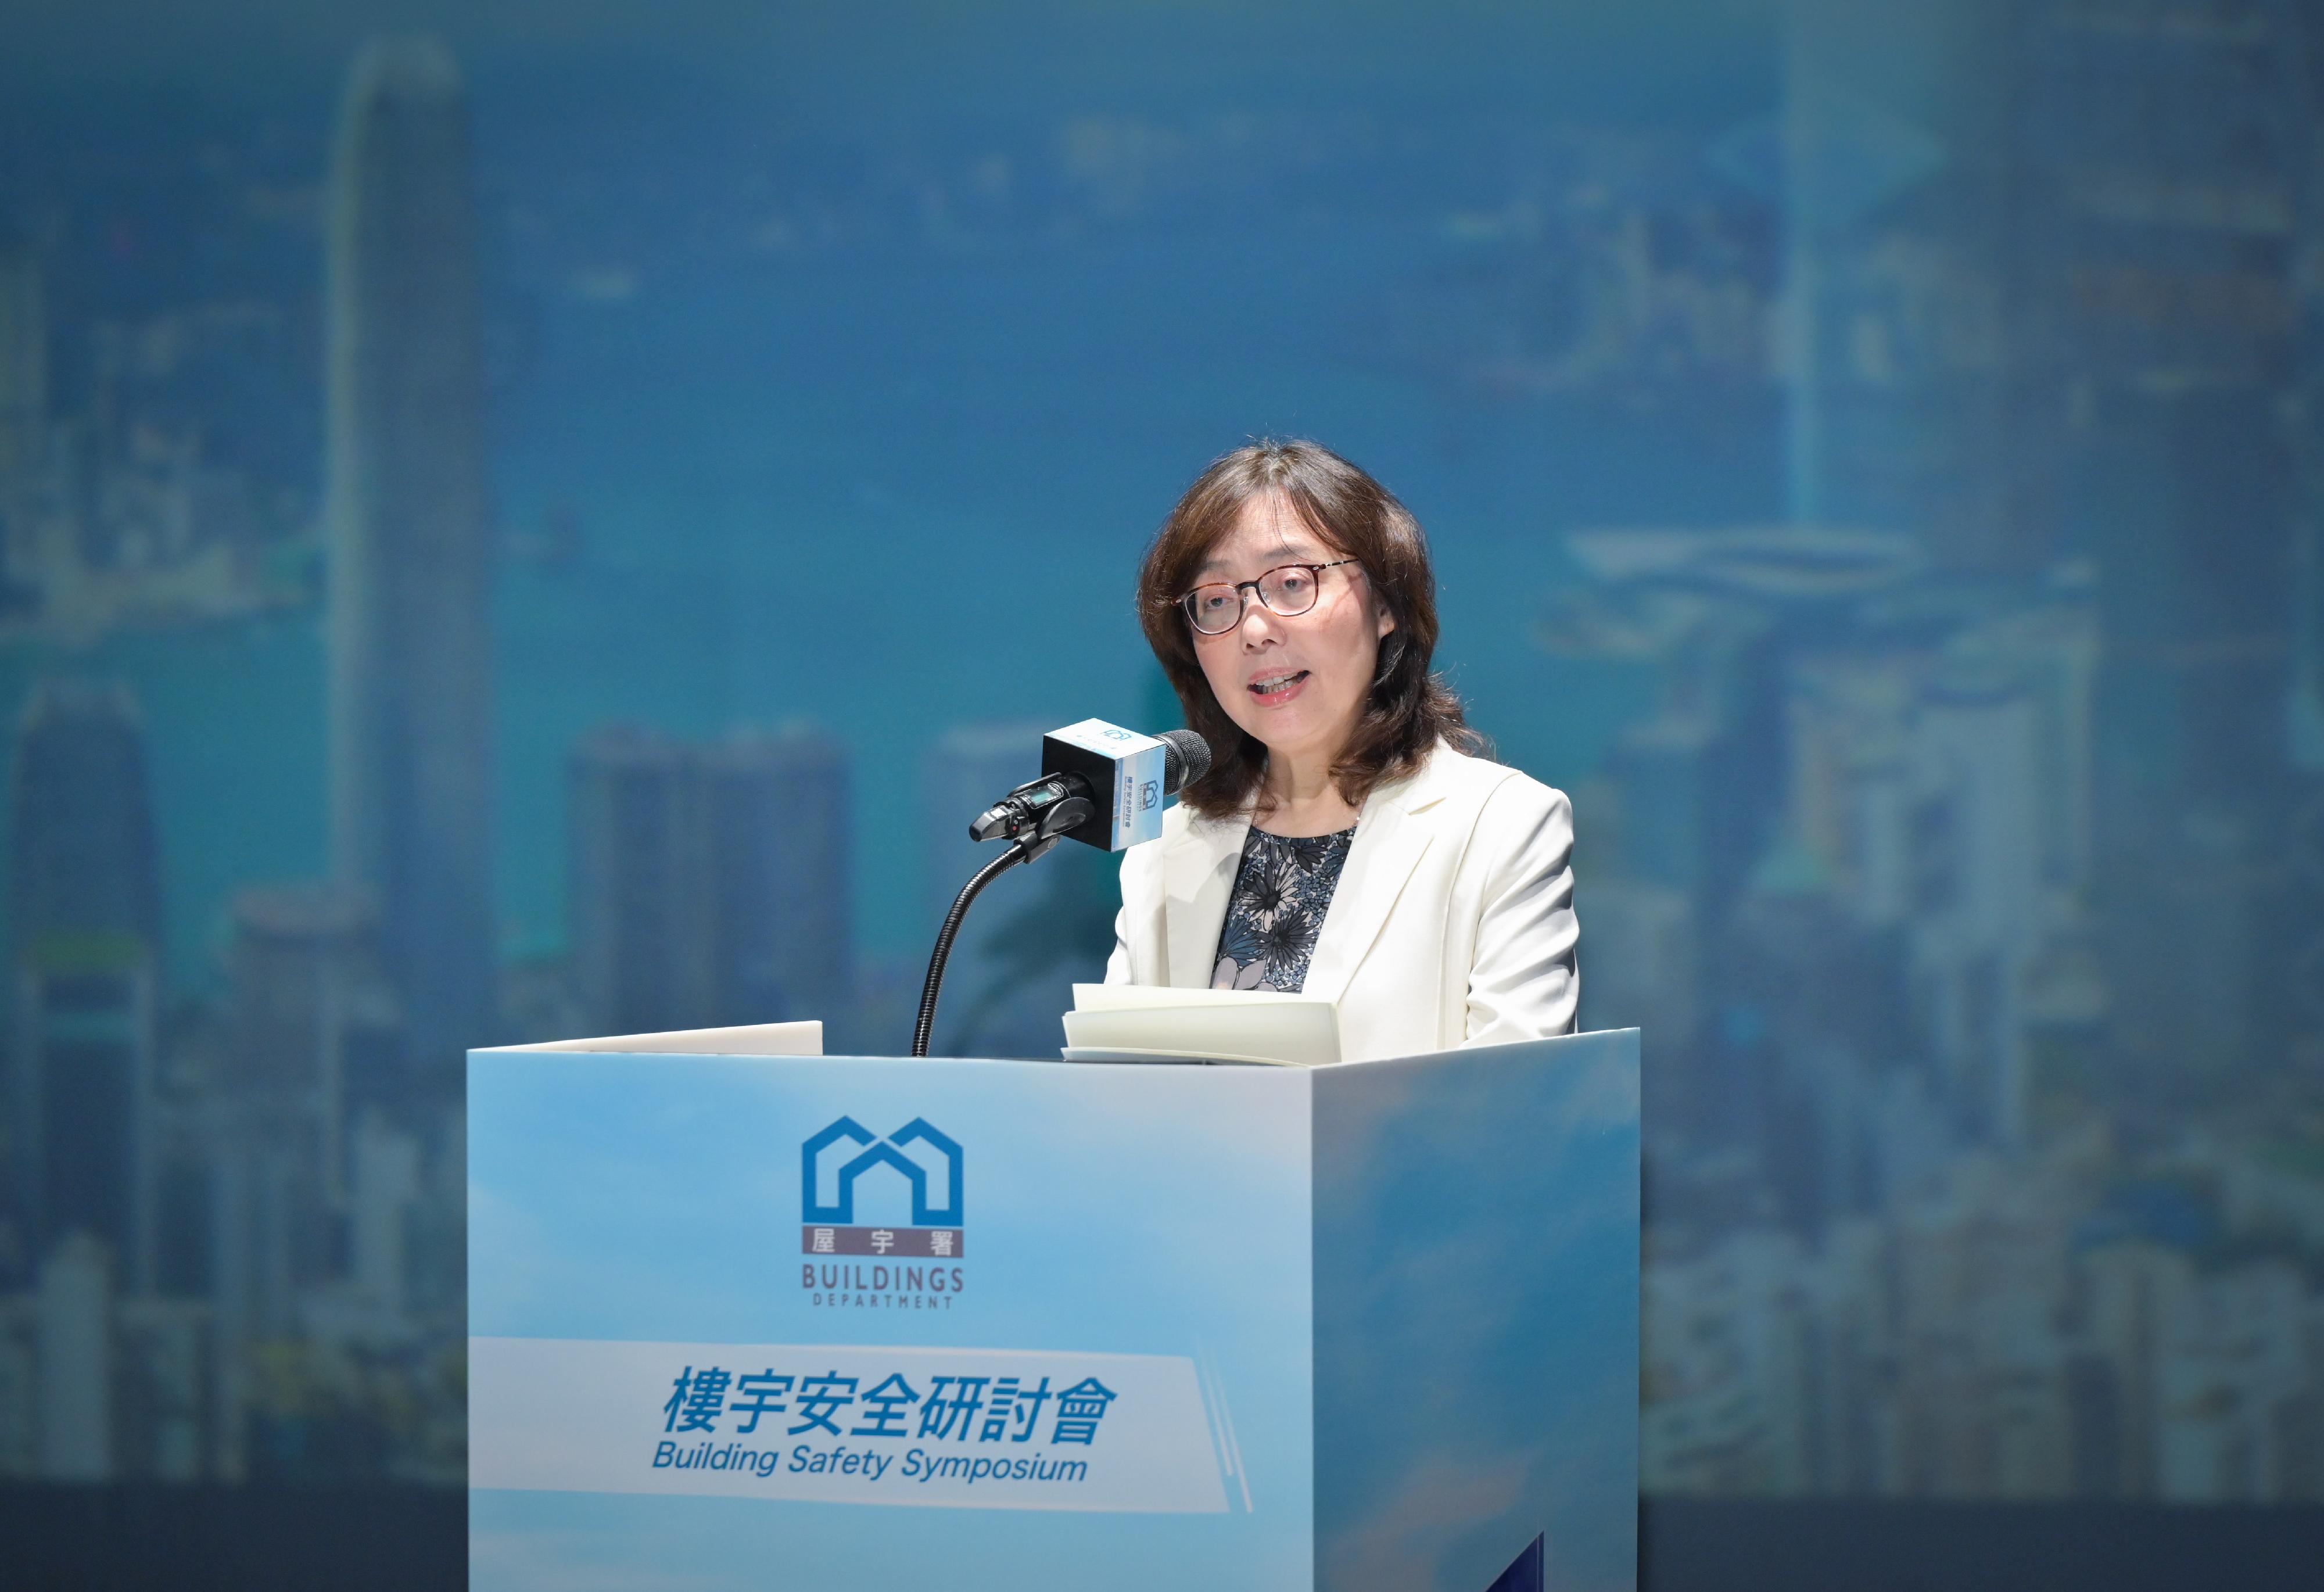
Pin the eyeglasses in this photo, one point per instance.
(1288, 590)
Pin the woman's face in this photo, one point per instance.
(1295, 685)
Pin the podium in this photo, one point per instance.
(811, 1322)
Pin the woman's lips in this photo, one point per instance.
(1272, 690)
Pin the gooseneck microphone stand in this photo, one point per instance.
(1030, 842)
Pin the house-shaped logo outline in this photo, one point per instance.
(879, 1152)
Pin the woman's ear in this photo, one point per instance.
(1384, 661)
(1387, 622)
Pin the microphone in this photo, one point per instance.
(1100, 784)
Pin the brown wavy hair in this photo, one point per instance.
(1408, 709)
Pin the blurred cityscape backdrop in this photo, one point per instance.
(539, 527)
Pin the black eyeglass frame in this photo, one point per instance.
(1242, 607)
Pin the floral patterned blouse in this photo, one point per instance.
(1282, 889)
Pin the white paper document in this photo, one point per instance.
(757, 1039)
(1123, 1022)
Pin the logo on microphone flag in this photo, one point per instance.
(1137, 762)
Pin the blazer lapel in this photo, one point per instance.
(1197, 877)
(1392, 834)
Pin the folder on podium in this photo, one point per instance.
(747, 1320)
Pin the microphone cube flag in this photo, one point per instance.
(1124, 770)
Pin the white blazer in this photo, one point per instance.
(1452, 923)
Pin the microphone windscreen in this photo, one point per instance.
(1185, 757)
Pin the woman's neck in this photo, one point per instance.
(1298, 797)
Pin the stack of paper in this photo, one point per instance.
(1144, 1023)
(759, 1039)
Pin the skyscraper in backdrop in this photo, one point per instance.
(85, 934)
(2043, 262)
(407, 529)
(2300, 928)
(1887, 161)
(640, 957)
(24, 393)
(709, 885)
(2160, 169)
(777, 810)
(24, 353)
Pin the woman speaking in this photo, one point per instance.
(1346, 842)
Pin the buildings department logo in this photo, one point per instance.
(918, 1160)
